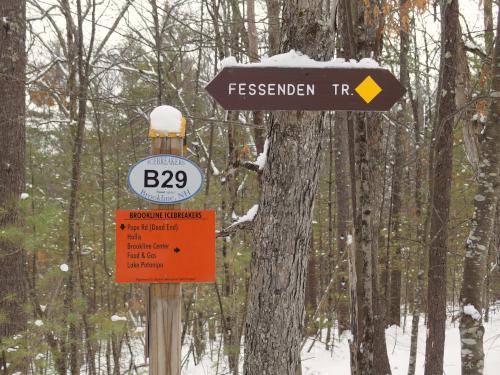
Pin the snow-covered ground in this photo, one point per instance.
(319, 361)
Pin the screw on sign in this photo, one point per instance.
(315, 86)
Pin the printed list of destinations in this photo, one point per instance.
(159, 246)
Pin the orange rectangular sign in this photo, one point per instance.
(163, 246)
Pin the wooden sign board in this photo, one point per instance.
(315, 89)
(163, 246)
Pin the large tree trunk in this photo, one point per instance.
(12, 150)
(440, 193)
(282, 233)
(362, 22)
(478, 242)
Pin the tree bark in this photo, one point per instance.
(342, 193)
(13, 278)
(478, 242)
(273, 15)
(417, 108)
(440, 193)
(282, 232)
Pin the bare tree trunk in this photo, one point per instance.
(363, 237)
(13, 277)
(394, 316)
(478, 242)
(417, 108)
(362, 38)
(440, 194)
(331, 255)
(83, 68)
(346, 19)
(157, 38)
(342, 193)
(282, 230)
(312, 285)
(273, 15)
(253, 50)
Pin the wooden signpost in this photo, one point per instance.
(165, 248)
(313, 89)
(165, 300)
(158, 246)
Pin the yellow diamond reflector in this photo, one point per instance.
(368, 89)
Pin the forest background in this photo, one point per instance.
(95, 70)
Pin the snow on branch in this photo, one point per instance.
(257, 165)
(250, 165)
(262, 158)
(244, 222)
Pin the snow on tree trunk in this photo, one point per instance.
(282, 232)
(478, 242)
(440, 192)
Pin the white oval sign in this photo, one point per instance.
(165, 179)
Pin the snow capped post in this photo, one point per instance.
(167, 122)
(167, 131)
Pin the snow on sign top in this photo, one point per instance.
(166, 121)
(295, 59)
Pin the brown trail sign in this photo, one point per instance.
(314, 89)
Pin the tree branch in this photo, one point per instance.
(233, 228)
